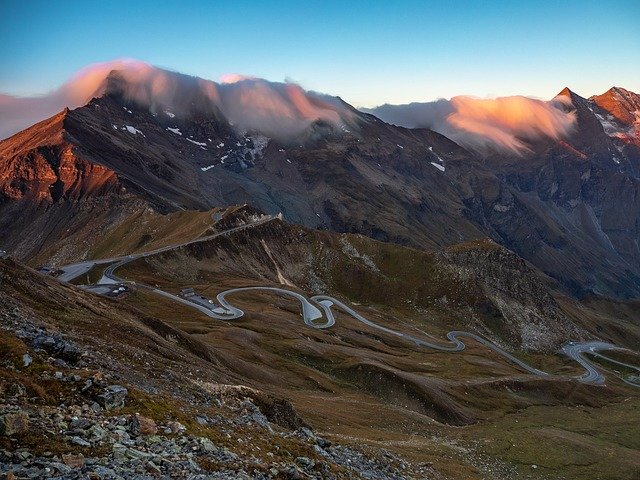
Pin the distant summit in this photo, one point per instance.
(622, 104)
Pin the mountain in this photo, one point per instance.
(569, 206)
(619, 111)
(173, 163)
(249, 280)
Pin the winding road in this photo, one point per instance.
(74, 270)
(317, 313)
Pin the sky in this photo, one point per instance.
(367, 52)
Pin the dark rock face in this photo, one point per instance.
(516, 301)
(57, 347)
(571, 208)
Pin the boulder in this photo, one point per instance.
(73, 460)
(141, 425)
(13, 423)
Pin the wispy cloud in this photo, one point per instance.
(505, 123)
(273, 108)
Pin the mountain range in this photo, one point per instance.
(244, 279)
(569, 205)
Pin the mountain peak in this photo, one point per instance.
(565, 92)
(620, 103)
(47, 132)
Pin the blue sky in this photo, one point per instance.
(368, 52)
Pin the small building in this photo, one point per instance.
(187, 292)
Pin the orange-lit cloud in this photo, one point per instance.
(235, 77)
(275, 109)
(506, 123)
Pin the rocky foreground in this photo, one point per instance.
(63, 417)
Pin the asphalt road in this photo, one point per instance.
(321, 316)
(74, 270)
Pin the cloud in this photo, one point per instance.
(505, 123)
(285, 110)
(275, 109)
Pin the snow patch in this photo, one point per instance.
(169, 114)
(201, 144)
(133, 130)
(175, 130)
(438, 166)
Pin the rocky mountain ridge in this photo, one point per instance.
(570, 207)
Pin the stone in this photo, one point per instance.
(97, 433)
(153, 468)
(22, 455)
(104, 472)
(176, 427)
(73, 460)
(306, 433)
(122, 436)
(112, 397)
(201, 420)
(58, 362)
(141, 425)
(81, 423)
(323, 442)
(122, 453)
(207, 445)
(70, 353)
(119, 452)
(27, 360)
(13, 424)
(79, 441)
(305, 463)
(57, 347)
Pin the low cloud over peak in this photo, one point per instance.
(504, 123)
(284, 110)
(273, 108)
